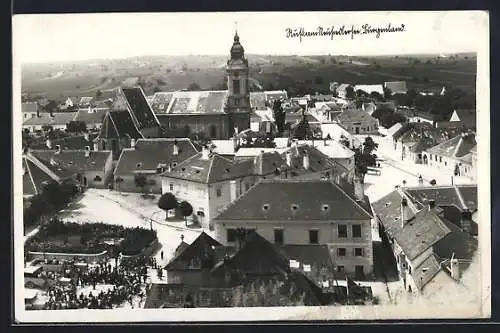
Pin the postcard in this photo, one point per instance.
(251, 166)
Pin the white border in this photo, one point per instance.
(451, 311)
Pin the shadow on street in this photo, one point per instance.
(384, 263)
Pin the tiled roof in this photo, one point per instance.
(396, 87)
(197, 102)
(318, 257)
(420, 233)
(33, 177)
(426, 271)
(86, 100)
(291, 200)
(258, 100)
(354, 115)
(160, 101)
(455, 147)
(200, 248)
(58, 118)
(52, 169)
(119, 124)
(421, 145)
(412, 132)
(257, 256)
(91, 118)
(29, 107)
(68, 143)
(139, 108)
(149, 153)
(469, 195)
(214, 169)
(331, 148)
(74, 160)
(266, 163)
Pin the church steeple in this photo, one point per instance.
(237, 51)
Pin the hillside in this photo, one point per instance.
(297, 74)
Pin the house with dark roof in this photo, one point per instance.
(424, 243)
(396, 87)
(357, 121)
(150, 158)
(301, 212)
(93, 118)
(454, 155)
(91, 168)
(73, 142)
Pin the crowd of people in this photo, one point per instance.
(125, 283)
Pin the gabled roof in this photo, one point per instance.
(212, 170)
(149, 153)
(34, 177)
(139, 108)
(74, 160)
(30, 107)
(119, 124)
(257, 256)
(455, 147)
(424, 230)
(396, 87)
(200, 248)
(461, 196)
(354, 115)
(57, 118)
(292, 200)
(76, 142)
(91, 118)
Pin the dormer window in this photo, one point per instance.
(138, 165)
(265, 207)
(294, 207)
(325, 207)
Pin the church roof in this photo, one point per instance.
(197, 102)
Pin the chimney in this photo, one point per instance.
(132, 143)
(38, 112)
(233, 190)
(257, 163)
(235, 144)
(305, 161)
(86, 136)
(58, 149)
(205, 153)
(405, 212)
(87, 151)
(176, 149)
(236, 131)
(455, 269)
(49, 143)
(359, 190)
(289, 158)
(96, 146)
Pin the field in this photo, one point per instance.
(296, 74)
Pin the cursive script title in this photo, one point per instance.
(348, 31)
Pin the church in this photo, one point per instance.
(217, 114)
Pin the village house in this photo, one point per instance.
(410, 140)
(358, 122)
(452, 155)
(71, 102)
(53, 120)
(369, 88)
(215, 113)
(458, 202)
(326, 111)
(336, 151)
(29, 110)
(92, 169)
(396, 87)
(342, 90)
(150, 158)
(93, 118)
(295, 212)
(426, 246)
(85, 101)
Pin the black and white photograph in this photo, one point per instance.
(251, 166)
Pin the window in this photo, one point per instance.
(440, 159)
(294, 207)
(342, 230)
(358, 252)
(171, 187)
(356, 230)
(265, 207)
(409, 269)
(313, 236)
(97, 178)
(325, 208)
(231, 235)
(341, 251)
(278, 236)
(218, 191)
(236, 86)
(340, 269)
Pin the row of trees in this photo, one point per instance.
(168, 201)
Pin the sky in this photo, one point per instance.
(66, 37)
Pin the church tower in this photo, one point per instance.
(238, 100)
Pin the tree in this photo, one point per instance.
(279, 116)
(345, 141)
(186, 210)
(369, 146)
(141, 181)
(167, 202)
(350, 93)
(376, 96)
(387, 93)
(194, 87)
(75, 126)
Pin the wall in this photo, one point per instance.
(297, 232)
(198, 123)
(367, 126)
